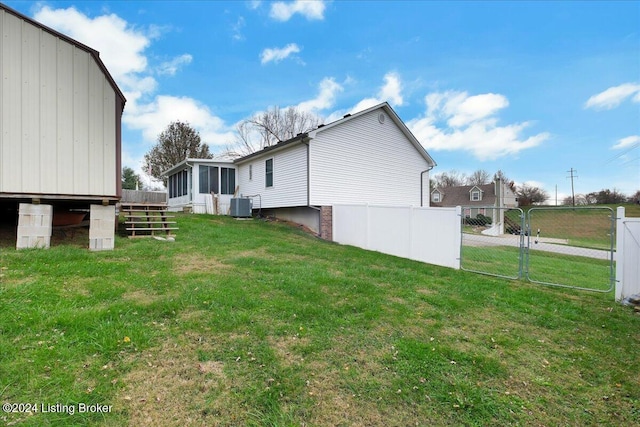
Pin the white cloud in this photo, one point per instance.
(254, 4)
(122, 49)
(328, 90)
(392, 89)
(236, 29)
(278, 54)
(612, 97)
(457, 121)
(310, 9)
(629, 141)
(171, 67)
(152, 118)
(120, 45)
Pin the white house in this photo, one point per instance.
(61, 125)
(192, 182)
(366, 157)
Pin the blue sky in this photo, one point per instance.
(532, 88)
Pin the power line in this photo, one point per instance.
(617, 156)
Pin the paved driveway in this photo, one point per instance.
(547, 245)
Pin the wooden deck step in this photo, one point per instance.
(147, 220)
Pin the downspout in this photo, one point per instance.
(308, 175)
(422, 185)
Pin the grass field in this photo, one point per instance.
(256, 323)
(543, 267)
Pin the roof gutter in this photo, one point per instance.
(422, 184)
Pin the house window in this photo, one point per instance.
(177, 184)
(250, 172)
(475, 196)
(208, 179)
(185, 185)
(227, 180)
(435, 197)
(268, 173)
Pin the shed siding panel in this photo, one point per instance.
(364, 161)
(110, 167)
(30, 165)
(58, 112)
(65, 155)
(48, 113)
(289, 178)
(81, 121)
(95, 163)
(11, 102)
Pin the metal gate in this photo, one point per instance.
(492, 241)
(557, 246)
(571, 247)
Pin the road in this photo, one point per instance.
(547, 245)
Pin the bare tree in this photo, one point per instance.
(479, 177)
(270, 127)
(176, 143)
(529, 195)
(452, 178)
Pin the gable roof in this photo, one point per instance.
(461, 196)
(303, 137)
(94, 53)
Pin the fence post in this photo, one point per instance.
(458, 237)
(619, 257)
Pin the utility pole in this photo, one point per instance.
(573, 195)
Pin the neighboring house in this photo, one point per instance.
(60, 144)
(477, 199)
(474, 198)
(191, 183)
(366, 157)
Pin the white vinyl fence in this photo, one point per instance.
(430, 235)
(627, 255)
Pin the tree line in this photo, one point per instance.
(527, 194)
(602, 197)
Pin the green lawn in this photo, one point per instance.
(256, 323)
(542, 267)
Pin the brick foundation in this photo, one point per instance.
(326, 223)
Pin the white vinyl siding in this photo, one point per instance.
(58, 112)
(365, 161)
(289, 178)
